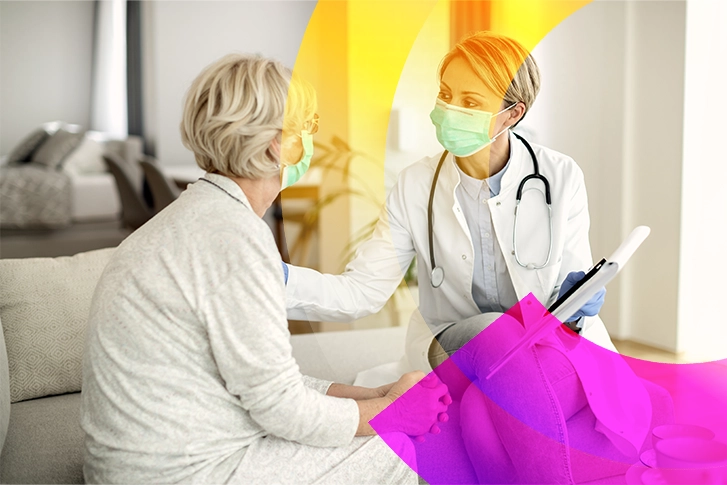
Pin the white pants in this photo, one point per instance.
(365, 460)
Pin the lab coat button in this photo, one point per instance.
(464, 256)
(497, 203)
(487, 234)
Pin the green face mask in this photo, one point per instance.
(463, 131)
(293, 173)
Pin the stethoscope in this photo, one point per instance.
(437, 275)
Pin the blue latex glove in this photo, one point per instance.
(285, 271)
(592, 306)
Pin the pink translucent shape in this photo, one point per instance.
(623, 406)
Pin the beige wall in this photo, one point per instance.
(185, 36)
(702, 330)
(45, 66)
(652, 168)
(579, 111)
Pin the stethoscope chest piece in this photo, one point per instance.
(437, 277)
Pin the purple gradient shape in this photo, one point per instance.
(627, 397)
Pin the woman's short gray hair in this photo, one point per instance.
(233, 111)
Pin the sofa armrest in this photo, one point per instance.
(4, 390)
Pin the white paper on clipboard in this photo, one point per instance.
(613, 265)
(570, 306)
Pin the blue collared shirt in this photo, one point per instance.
(492, 287)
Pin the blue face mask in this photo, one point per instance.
(293, 173)
(463, 131)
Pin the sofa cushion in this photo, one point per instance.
(4, 391)
(88, 157)
(54, 150)
(45, 442)
(340, 356)
(24, 150)
(44, 306)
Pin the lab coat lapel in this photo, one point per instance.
(449, 180)
(458, 258)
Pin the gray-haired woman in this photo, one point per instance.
(188, 372)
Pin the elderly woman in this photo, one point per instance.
(188, 372)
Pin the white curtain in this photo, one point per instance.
(109, 108)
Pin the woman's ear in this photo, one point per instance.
(273, 151)
(275, 147)
(516, 114)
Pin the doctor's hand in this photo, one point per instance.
(592, 306)
(419, 403)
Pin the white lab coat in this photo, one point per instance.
(401, 234)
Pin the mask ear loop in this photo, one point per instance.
(498, 114)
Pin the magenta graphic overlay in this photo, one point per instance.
(562, 410)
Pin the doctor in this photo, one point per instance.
(476, 255)
(491, 219)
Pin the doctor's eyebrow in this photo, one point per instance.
(443, 84)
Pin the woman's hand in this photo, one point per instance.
(357, 392)
(382, 391)
(418, 403)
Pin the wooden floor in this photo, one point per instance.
(67, 241)
(644, 352)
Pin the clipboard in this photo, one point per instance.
(567, 305)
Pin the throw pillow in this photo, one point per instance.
(24, 150)
(57, 148)
(87, 158)
(44, 307)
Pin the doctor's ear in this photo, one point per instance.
(516, 114)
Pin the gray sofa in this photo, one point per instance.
(43, 308)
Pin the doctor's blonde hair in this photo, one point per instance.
(236, 107)
(502, 63)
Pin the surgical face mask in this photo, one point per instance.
(463, 131)
(293, 173)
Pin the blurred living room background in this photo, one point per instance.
(91, 97)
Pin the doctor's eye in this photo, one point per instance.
(443, 95)
(470, 103)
